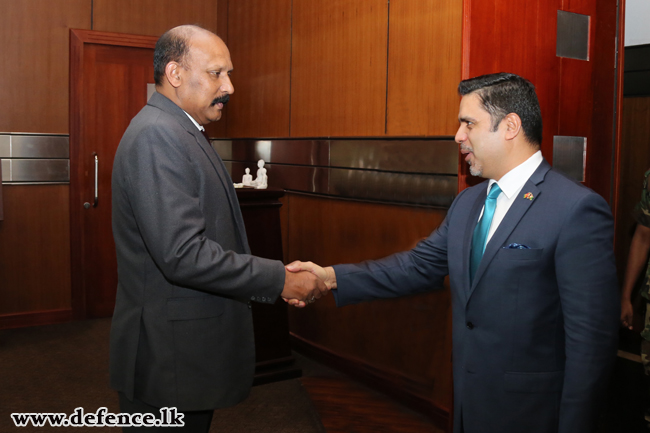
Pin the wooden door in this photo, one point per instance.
(109, 73)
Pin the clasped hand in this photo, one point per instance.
(305, 282)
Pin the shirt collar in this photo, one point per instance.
(513, 181)
(199, 127)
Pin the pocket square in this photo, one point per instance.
(515, 246)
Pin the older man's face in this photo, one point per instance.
(206, 83)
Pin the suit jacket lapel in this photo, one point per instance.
(516, 212)
(469, 232)
(225, 179)
(162, 102)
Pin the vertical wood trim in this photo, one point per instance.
(633, 163)
(466, 29)
(76, 223)
(620, 71)
(601, 167)
(291, 69)
(387, 65)
(463, 170)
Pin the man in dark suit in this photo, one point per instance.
(182, 332)
(531, 267)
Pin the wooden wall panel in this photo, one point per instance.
(407, 335)
(633, 163)
(424, 59)
(520, 39)
(35, 249)
(575, 100)
(338, 70)
(152, 17)
(34, 41)
(260, 45)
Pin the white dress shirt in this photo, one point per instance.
(201, 128)
(511, 184)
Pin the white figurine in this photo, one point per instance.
(261, 181)
(247, 179)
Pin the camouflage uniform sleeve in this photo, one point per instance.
(642, 216)
(642, 209)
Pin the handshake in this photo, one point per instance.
(305, 282)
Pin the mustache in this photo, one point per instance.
(221, 100)
(465, 147)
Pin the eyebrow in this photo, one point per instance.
(219, 67)
(466, 120)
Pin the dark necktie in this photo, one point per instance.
(482, 229)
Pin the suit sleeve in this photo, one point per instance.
(163, 192)
(421, 269)
(586, 277)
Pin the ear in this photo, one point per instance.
(173, 74)
(513, 125)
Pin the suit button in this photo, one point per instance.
(252, 298)
(470, 325)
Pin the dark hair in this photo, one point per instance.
(505, 93)
(172, 46)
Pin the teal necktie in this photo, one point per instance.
(482, 229)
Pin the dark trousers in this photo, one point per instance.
(195, 422)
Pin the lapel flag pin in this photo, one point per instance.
(529, 196)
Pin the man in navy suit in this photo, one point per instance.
(531, 266)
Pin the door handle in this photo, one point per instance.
(96, 179)
(96, 201)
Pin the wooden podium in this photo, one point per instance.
(261, 211)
